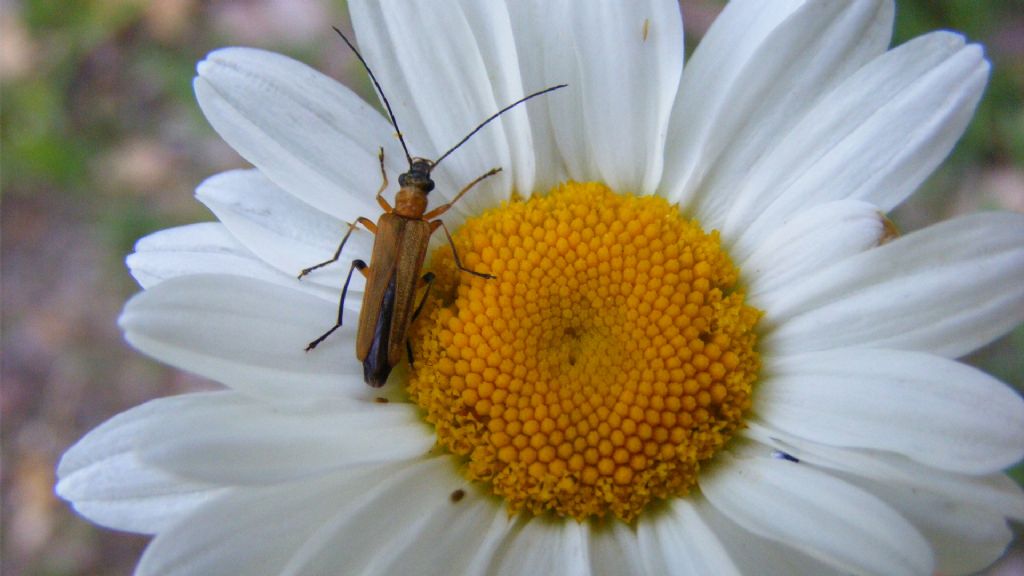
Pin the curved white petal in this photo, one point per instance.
(246, 334)
(285, 232)
(459, 537)
(544, 546)
(807, 242)
(753, 554)
(752, 77)
(549, 166)
(965, 538)
(817, 514)
(932, 410)
(947, 289)
(236, 440)
(613, 549)
(105, 481)
(204, 248)
(994, 492)
(305, 132)
(256, 531)
(612, 120)
(399, 525)
(445, 67)
(876, 137)
(679, 542)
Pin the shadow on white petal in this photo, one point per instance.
(936, 411)
(755, 73)
(805, 243)
(409, 523)
(947, 289)
(246, 334)
(752, 554)
(238, 440)
(816, 513)
(876, 137)
(678, 541)
(305, 132)
(966, 539)
(206, 248)
(285, 232)
(105, 481)
(994, 492)
(256, 531)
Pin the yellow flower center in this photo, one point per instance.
(609, 358)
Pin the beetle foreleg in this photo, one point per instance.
(337, 253)
(444, 207)
(356, 265)
(458, 263)
(384, 184)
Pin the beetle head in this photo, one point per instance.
(418, 175)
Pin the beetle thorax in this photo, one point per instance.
(410, 202)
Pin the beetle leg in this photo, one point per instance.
(427, 278)
(356, 265)
(444, 207)
(337, 253)
(458, 263)
(384, 184)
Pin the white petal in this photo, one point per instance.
(107, 483)
(440, 87)
(458, 538)
(491, 23)
(613, 549)
(255, 531)
(544, 546)
(752, 554)
(752, 77)
(996, 492)
(805, 243)
(399, 525)
(305, 132)
(530, 19)
(932, 410)
(204, 248)
(246, 334)
(237, 440)
(288, 234)
(965, 538)
(947, 289)
(817, 514)
(679, 542)
(612, 120)
(876, 137)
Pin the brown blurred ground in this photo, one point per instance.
(102, 143)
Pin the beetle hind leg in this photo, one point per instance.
(356, 265)
(337, 253)
(427, 278)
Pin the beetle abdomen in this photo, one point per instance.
(376, 367)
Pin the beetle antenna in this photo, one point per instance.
(380, 91)
(496, 114)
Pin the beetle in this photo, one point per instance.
(401, 237)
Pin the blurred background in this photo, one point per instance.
(102, 143)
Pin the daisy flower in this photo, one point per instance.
(705, 349)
